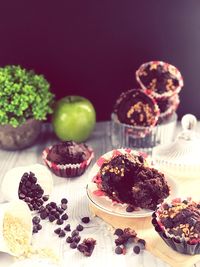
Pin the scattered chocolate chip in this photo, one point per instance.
(64, 201)
(63, 206)
(67, 228)
(85, 219)
(74, 233)
(142, 242)
(39, 227)
(35, 230)
(52, 218)
(76, 239)
(62, 233)
(36, 220)
(73, 245)
(64, 217)
(118, 232)
(118, 250)
(79, 228)
(136, 249)
(87, 246)
(129, 208)
(69, 239)
(57, 231)
(59, 221)
(43, 215)
(45, 197)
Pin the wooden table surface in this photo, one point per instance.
(74, 190)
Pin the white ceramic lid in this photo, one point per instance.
(182, 157)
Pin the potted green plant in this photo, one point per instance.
(25, 100)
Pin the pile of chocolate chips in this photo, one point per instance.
(125, 236)
(31, 192)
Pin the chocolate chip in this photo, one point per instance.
(67, 228)
(118, 250)
(57, 215)
(45, 198)
(57, 231)
(73, 245)
(85, 219)
(53, 205)
(79, 228)
(64, 206)
(74, 233)
(64, 201)
(59, 210)
(120, 241)
(52, 218)
(185, 202)
(69, 239)
(129, 208)
(35, 230)
(118, 232)
(59, 221)
(39, 227)
(76, 239)
(36, 220)
(62, 233)
(136, 249)
(64, 217)
(43, 215)
(142, 242)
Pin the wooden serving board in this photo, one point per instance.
(145, 230)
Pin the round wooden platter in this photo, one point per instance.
(145, 230)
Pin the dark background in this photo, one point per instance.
(92, 48)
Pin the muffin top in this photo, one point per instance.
(181, 218)
(128, 179)
(136, 108)
(68, 152)
(159, 77)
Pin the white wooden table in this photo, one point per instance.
(74, 190)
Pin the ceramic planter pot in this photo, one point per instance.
(15, 138)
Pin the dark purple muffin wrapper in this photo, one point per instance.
(67, 170)
(172, 69)
(177, 244)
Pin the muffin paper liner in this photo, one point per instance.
(169, 68)
(178, 244)
(67, 170)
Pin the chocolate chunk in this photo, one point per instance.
(118, 250)
(79, 228)
(85, 219)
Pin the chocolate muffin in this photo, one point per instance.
(178, 223)
(127, 179)
(68, 159)
(136, 108)
(159, 78)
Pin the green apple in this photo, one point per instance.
(74, 118)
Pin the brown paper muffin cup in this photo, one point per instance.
(170, 68)
(67, 170)
(178, 244)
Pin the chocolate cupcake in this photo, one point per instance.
(160, 79)
(68, 159)
(136, 108)
(126, 178)
(178, 224)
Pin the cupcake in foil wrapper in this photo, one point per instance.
(178, 225)
(68, 159)
(160, 79)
